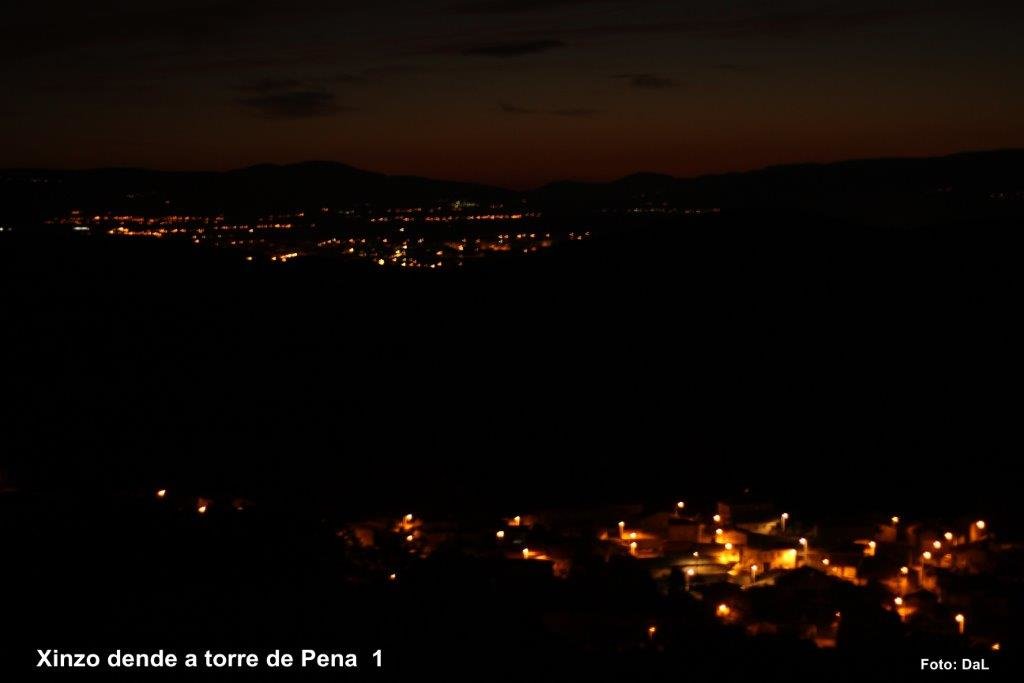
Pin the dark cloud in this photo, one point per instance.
(378, 74)
(515, 109)
(768, 25)
(578, 112)
(299, 104)
(512, 49)
(648, 81)
(266, 85)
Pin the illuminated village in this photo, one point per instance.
(743, 564)
(414, 238)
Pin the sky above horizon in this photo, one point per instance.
(509, 92)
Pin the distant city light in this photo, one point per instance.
(500, 534)
(162, 493)
(980, 524)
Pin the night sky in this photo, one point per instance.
(510, 92)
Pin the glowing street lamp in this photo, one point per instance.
(651, 630)
(680, 505)
(689, 575)
(927, 555)
(718, 518)
(632, 548)
(408, 518)
(937, 545)
(783, 517)
(728, 546)
(898, 601)
(723, 610)
(948, 535)
(904, 570)
(803, 544)
(500, 534)
(961, 622)
(410, 538)
(526, 553)
(980, 524)
(162, 493)
(622, 528)
(517, 520)
(753, 572)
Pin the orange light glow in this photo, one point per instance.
(980, 524)
(926, 555)
(500, 534)
(723, 610)
(936, 545)
(162, 493)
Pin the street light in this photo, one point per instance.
(948, 535)
(961, 622)
(753, 572)
(162, 493)
(680, 505)
(651, 630)
(937, 545)
(622, 528)
(927, 555)
(803, 543)
(718, 518)
(526, 553)
(500, 534)
(632, 548)
(784, 516)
